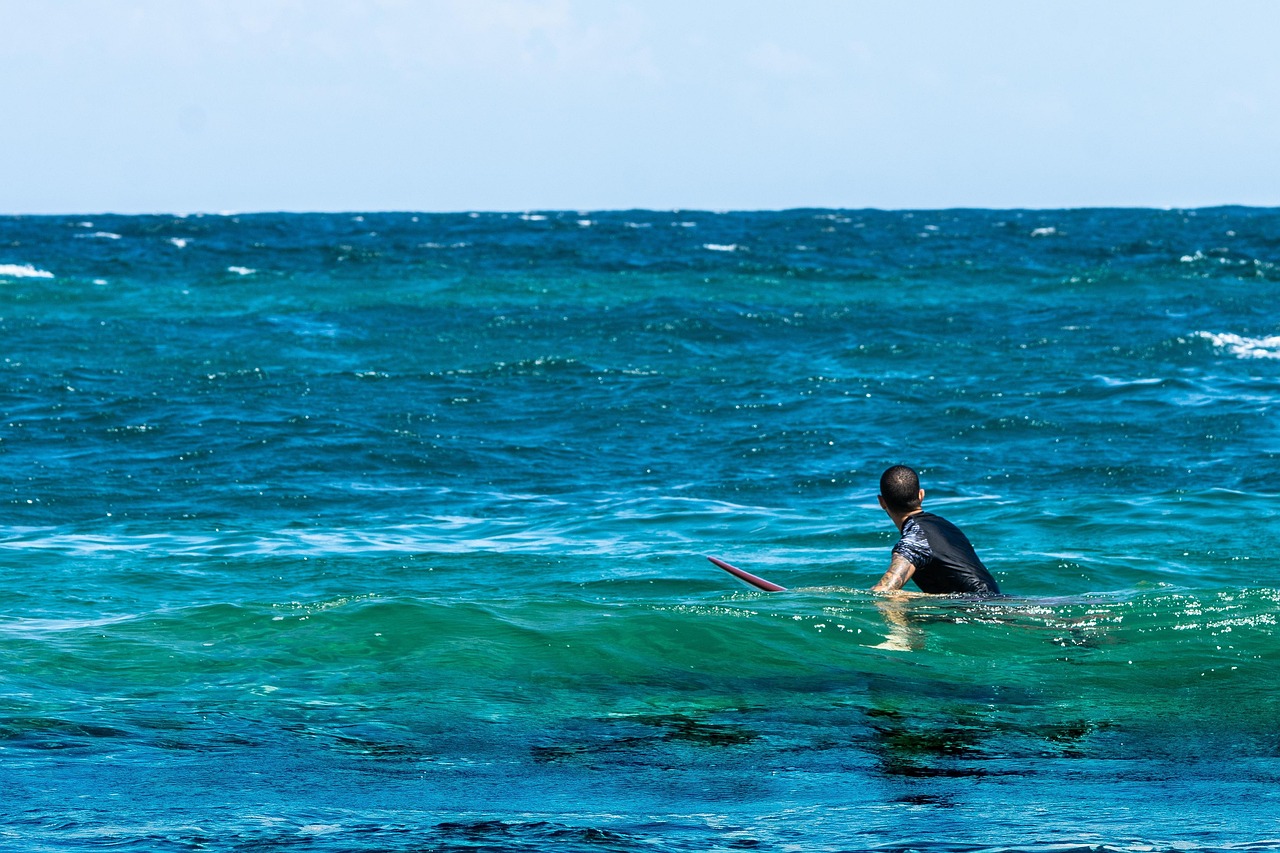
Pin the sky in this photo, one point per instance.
(184, 106)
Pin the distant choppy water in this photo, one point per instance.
(386, 532)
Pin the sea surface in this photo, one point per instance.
(386, 532)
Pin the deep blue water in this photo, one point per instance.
(387, 531)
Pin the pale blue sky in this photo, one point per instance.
(212, 105)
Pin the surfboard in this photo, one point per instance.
(757, 582)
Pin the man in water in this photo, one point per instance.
(932, 551)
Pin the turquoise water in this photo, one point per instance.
(387, 532)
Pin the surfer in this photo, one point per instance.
(933, 552)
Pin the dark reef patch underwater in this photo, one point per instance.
(386, 531)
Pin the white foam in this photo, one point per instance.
(319, 829)
(1112, 382)
(533, 217)
(721, 247)
(1243, 347)
(241, 270)
(180, 242)
(101, 235)
(22, 271)
(20, 625)
(1044, 232)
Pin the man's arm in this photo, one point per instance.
(900, 571)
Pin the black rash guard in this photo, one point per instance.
(945, 561)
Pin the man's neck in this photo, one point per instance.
(902, 519)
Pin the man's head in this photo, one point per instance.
(900, 490)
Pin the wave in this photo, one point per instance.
(590, 827)
(23, 271)
(1244, 347)
(593, 706)
(529, 525)
(1214, 645)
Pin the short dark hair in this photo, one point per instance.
(900, 488)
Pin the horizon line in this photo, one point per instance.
(579, 211)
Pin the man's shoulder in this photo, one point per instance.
(939, 530)
(929, 523)
(927, 519)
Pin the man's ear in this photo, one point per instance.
(882, 503)
(921, 498)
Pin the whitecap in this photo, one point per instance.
(22, 625)
(241, 270)
(180, 242)
(319, 829)
(23, 271)
(1244, 347)
(1112, 382)
(1044, 232)
(721, 247)
(533, 217)
(101, 235)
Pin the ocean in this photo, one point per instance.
(387, 531)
